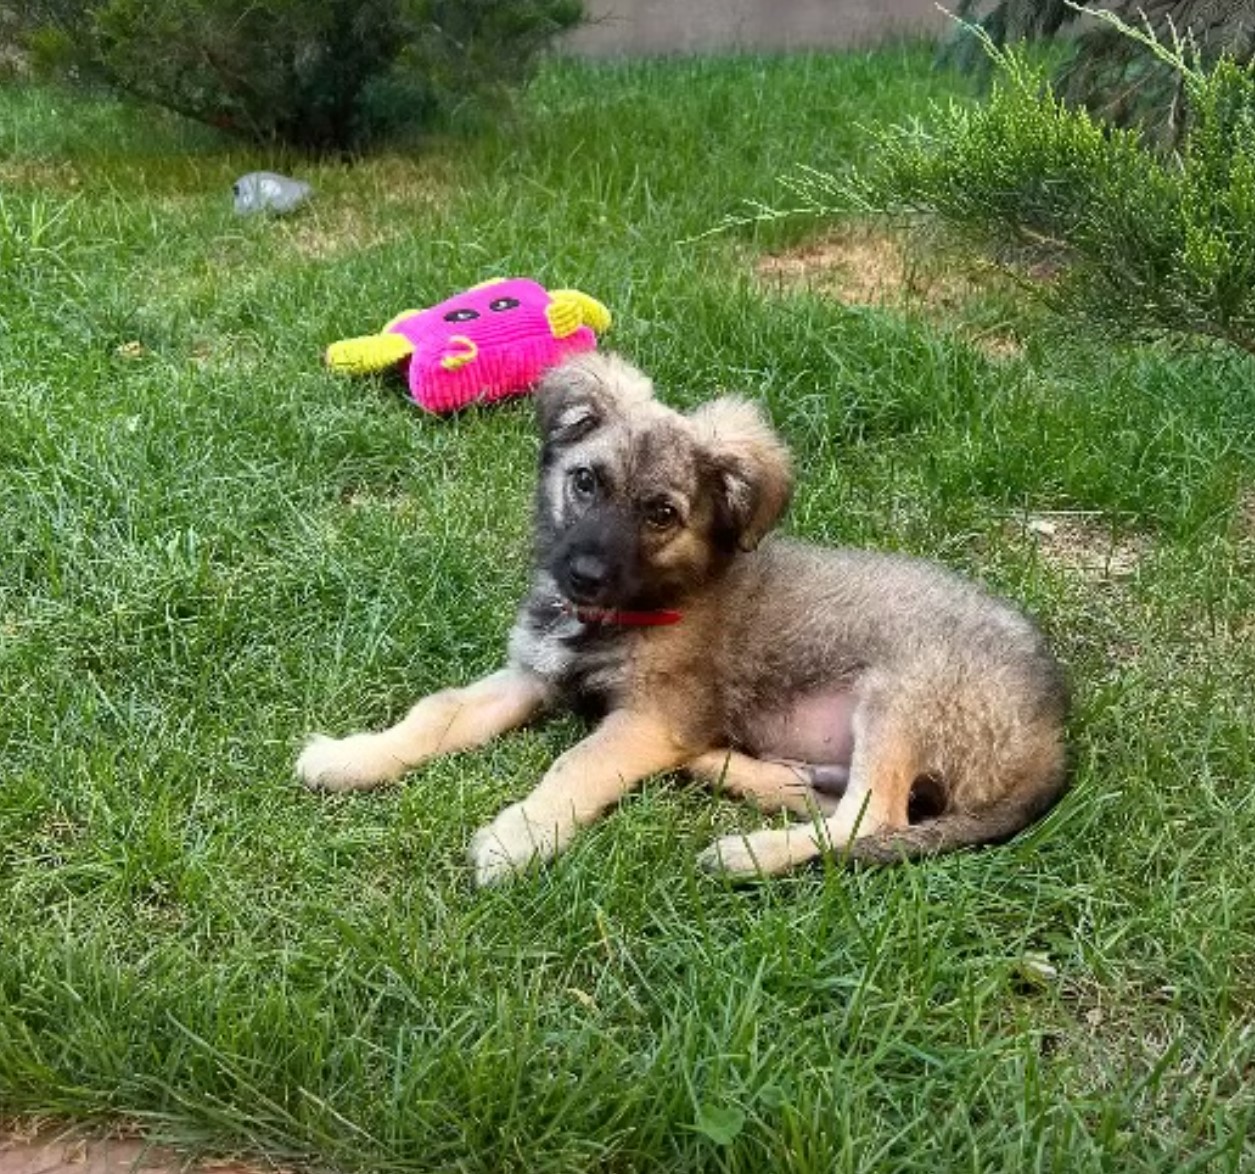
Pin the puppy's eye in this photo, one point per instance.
(583, 481)
(661, 515)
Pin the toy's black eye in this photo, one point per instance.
(461, 315)
(583, 481)
(661, 515)
(503, 304)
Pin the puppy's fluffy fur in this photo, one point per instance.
(900, 709)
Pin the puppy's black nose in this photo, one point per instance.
(586, 575)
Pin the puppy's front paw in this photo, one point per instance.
(510, 844)
(346, 764)
(756, 854)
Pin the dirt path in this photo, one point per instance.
(66, 1151)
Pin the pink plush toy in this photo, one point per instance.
(496, 339)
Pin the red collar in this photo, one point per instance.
(623, 619)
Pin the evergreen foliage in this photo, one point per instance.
(1115, 76)
(1147, 243)
(314, 74)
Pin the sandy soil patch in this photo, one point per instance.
(863, 264)
(1085, 543)
(41, 1149)
(324, 233)
(59, 175)
(1246, 515)
(343, 217)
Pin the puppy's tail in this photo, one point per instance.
(955, 829)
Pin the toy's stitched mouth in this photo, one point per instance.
(460, 358)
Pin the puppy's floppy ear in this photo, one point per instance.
(579, 396)
(751, 466)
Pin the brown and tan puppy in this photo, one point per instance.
(897, 707)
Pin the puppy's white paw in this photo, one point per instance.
(756, 854)
(510, 844)
(346, 764)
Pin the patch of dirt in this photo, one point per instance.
(863, 265)
(1110, 1034)
(998, 344)
(44, 174)
(400, 179)
(1246, 515)
(332, 231)
(1085, 543)
(36, 1148)
(341, 220)
(871, 265)
(362, 497)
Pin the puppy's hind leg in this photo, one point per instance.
(454, 719)
(884, 766)
(800, 787)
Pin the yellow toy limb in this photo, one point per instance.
(571, 309)
(374, 352)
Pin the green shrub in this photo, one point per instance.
(1146, 242)
(1118, 77)
(314, 74)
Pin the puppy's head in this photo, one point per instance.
(638, 506)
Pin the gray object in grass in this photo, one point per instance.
(265, 191)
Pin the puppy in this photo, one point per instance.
(898, 708)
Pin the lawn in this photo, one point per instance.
(210, 546)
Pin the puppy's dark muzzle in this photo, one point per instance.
(595, 565)
(587, 577)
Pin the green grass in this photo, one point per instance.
(209, 546)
